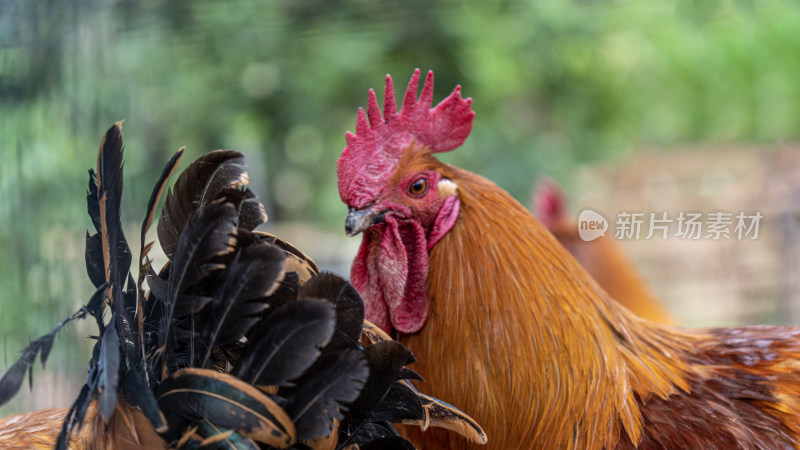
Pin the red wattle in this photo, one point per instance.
(389, 271)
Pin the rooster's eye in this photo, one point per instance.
(418, 187)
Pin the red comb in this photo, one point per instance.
(442, 128)
(549, 203)
(380, 141)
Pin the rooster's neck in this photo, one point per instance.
(540, 330)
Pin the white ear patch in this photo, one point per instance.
(446, 188)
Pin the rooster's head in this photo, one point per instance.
(399, 195)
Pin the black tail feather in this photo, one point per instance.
(12, 380)
(108, 370)
(193, 395)
(240, 342)
(210, 233)
(201, 183)
(286, 343)
(76, 413)
(144, 261)
(319, 394)
(349, 307)
(239, 301)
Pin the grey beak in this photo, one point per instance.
(359, 220)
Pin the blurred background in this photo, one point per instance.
(671, 106)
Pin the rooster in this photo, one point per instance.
(240, 342)
(504, 321)
(602, 258)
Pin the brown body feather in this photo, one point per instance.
(128, 428)
(38, 429)
(525, 340)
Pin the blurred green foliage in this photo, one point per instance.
(555, 84)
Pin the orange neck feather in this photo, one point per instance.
(538, 337)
